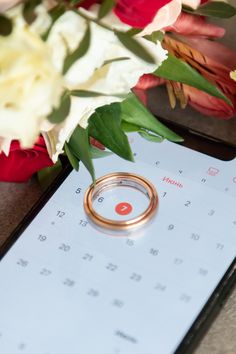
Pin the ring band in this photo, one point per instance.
(121, 179)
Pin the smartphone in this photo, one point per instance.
(67, 287)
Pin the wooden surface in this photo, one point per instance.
(17, 199)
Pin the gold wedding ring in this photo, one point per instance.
(121, 179)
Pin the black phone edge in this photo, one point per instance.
(201, 142)
(208, 312)
(38, 205)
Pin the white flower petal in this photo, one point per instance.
(42, 21)
(90, 73)
(193, 3)
(166, 16)
(29, 85)
(31, 75)
(65, 36)
(5, 145)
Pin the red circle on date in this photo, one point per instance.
(123, 208)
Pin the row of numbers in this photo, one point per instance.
(134, 277)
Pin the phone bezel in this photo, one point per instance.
(207, 314)
(201, 142)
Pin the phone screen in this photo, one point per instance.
(68, 288)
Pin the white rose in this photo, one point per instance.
(30, 74)
(30, 86)
(90, 73)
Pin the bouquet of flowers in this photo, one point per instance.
(74, 75)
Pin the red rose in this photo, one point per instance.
(138, 13)
(21, 164)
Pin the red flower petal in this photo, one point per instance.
(138, 13)
(188, 24)
(21, 164)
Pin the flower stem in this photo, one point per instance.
(89, 18)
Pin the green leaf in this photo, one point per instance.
(176, 70)
(98, 153)
(86, 94)
(79, 52)
(134, 112)
(74, 161)
(55, 13)
(150, 137)
(29, 10)
(48, 174)
(105, 8)
(5, 26)
(218, 9)
(80, 147)
(130, 128)
(105, 126)
(133, 31)
(106, 62)
(155, 36)
(76, 2)
(60, 113)
(135, 47)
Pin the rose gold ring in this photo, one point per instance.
(121, 179)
